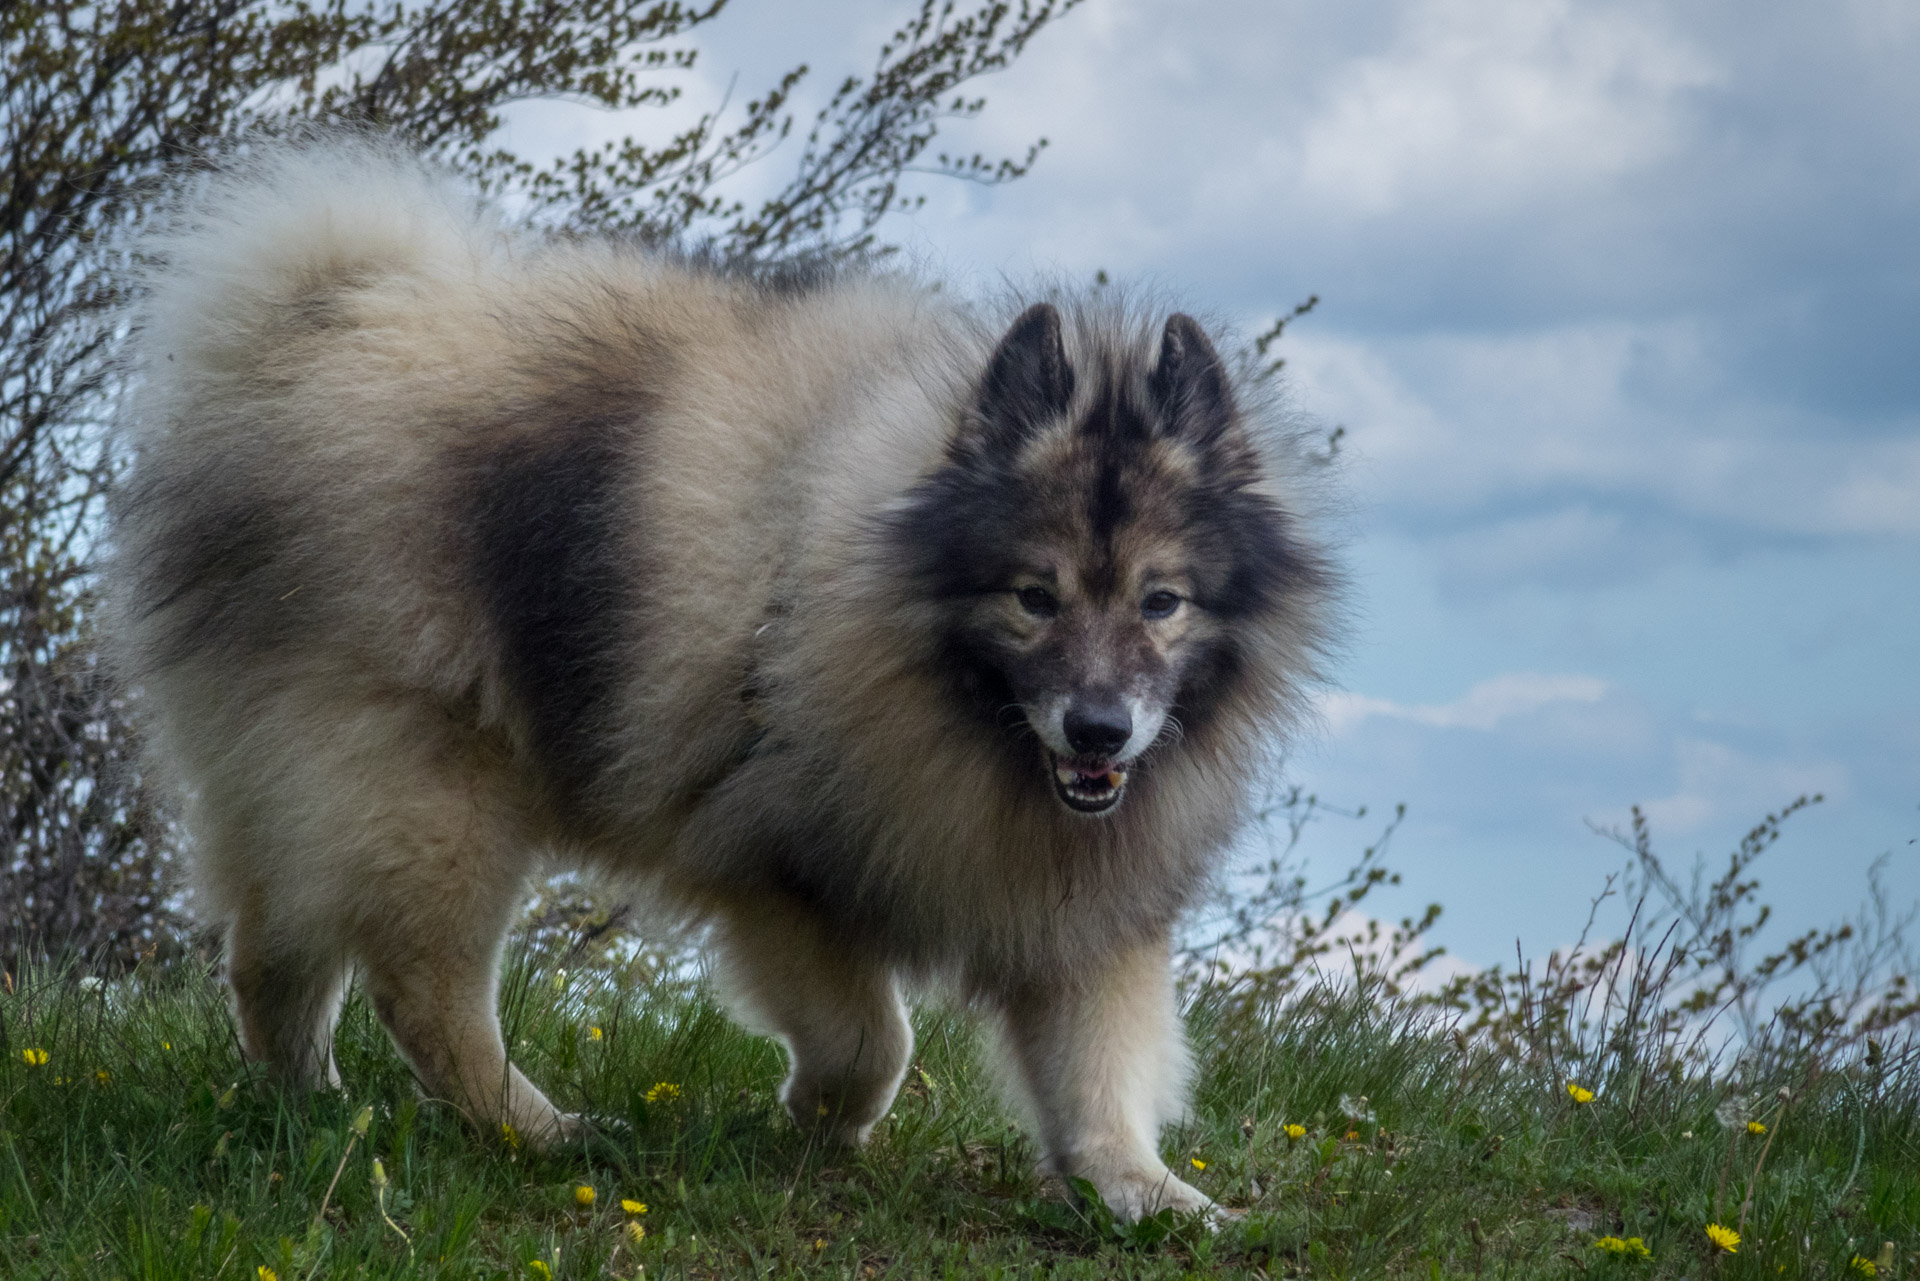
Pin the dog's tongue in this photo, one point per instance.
(1092, 771)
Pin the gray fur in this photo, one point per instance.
(448, 545)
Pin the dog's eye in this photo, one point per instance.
(1159, 604)
(1038, 601)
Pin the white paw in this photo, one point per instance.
(838, 1119)
(545, 1131)
(1136, 1193)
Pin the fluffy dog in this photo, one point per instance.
(897, 644)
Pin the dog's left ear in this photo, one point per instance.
(1189, 385)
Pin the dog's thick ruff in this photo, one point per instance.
(902, 642)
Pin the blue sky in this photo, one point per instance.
(1620, 309)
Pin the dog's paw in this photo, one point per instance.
(1135, 1194)
(546, 1131)
(829, 1123)
(838, 1116)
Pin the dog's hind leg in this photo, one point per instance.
(429, 946)
(399, 837)
(287, 976)
(1100, 1061)
(840, 1016)
(286, 992)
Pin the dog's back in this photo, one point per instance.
(394, 457)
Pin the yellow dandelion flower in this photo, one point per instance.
(539, 1268)
(1198, 1164)
(1726, 1238)
(1754, 1127)
(819, 1243)
(265, 1273)
(103, 1077)
(34, 1058)
(633, 1207)
(583, 1195)
(663, 1090)
(510, 1135)
(595, 1034)
(166, 1045)
(1630, 1247)
(636, 1231)
(1294, 1131)
(1865, 1267)
(1579, 1093)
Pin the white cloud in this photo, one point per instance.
(1481, 104)
(1484, 428)
(1484, 707)
(1719, 784)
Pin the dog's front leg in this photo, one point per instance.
(839, 1014)
(1102, 1062)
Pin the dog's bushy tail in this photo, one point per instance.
(263, 237)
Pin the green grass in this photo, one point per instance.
(142, 1147)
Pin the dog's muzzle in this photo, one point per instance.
(1087, 784)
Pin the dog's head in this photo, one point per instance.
(1099, 540)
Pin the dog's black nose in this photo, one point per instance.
(1098, 729)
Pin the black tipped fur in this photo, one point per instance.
(1028, 381)
(1189, 384)
(970, 528)
(542, 525)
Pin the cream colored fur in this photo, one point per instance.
(334, 341)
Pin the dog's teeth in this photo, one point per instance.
(1066, 776)
(1117, 779)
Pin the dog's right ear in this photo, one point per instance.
(1027, 382)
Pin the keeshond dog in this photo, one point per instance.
(904, 644)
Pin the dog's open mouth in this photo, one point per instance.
(1088, 784)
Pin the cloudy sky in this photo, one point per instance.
(1620, 303)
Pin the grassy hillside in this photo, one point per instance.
(1359, 1138)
